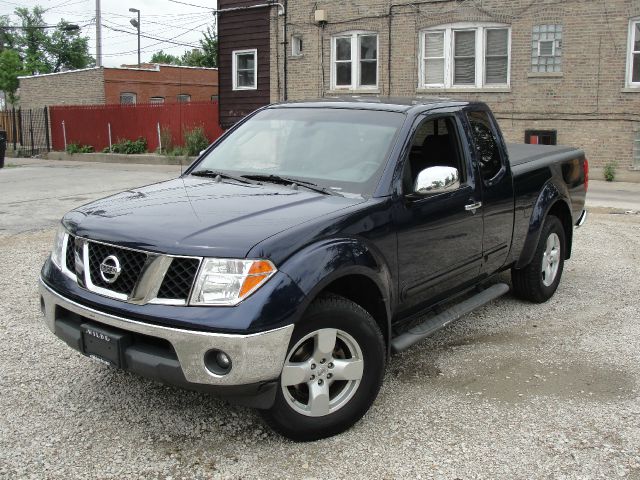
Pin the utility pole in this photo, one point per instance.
(98, 35)
(136, 24)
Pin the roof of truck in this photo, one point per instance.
(394, 104)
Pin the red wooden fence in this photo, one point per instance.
(89, 124)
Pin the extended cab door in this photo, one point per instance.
(494, 175)
(440, 233)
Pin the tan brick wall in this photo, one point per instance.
(63, 89)
(588, 104)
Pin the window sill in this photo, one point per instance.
(465, 90)
(545, 75)
(374, 91)
(631, 89)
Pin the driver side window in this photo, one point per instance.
(434, 144)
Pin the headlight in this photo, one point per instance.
(57, 253)
(228, 281)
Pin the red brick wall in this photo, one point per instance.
(167, 82)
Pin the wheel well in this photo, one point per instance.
(363, 291)
(561, 210)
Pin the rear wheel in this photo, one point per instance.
(538, 281)
(332, 373)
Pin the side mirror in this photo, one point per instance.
(433, 180)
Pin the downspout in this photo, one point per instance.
(285, 44)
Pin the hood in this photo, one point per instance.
(197, 216)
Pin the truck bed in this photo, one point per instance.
(522, 153)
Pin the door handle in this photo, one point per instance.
(472, 207)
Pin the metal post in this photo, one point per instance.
(64, 135)
(15, 129)
(20, 128)
(159, 138)
(139, 63)
(46, 128)
(33, 143)
(98, 35)
(110, 146)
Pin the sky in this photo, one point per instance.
(161, 19)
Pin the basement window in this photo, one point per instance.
(184, 98)
(128, 98)
(156, 100)
(541, 137)
(245, 69)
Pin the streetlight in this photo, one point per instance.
(136, 23)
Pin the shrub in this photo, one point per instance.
(77, 148)
(129, 147)
(610, 172)
(166, 137)
(195, 141)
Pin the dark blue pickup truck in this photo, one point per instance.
(309, 243)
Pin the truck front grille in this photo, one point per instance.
(131, 263)
(179, 278)
(173, 288)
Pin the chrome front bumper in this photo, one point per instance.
(255, 358)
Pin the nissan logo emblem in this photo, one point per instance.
(110, 269)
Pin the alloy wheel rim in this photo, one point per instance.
(551, 260)
(322, 372)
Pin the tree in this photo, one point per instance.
(206, 56)
(67, 50)
(165, 58)
(10, 69)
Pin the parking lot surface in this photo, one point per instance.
(513, 390)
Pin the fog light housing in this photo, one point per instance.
(217, 362)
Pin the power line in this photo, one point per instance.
(162, 40)
(193, 5)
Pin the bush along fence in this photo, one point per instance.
(133, 128)
(27, 130)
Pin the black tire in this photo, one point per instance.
(333, 312)
(528, 282)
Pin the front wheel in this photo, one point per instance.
(332, 373)
(538, 281)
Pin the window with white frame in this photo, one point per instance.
(156, 100)
(546, 49)
(465, 55)
(128, 98)
(633, 61)
(245, 69)
(354, 61)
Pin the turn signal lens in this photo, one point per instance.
(229, 281)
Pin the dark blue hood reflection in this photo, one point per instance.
(196, 216)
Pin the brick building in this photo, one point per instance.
(552, 70)
(105, 85)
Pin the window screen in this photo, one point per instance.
(486, 144)
(464, 57)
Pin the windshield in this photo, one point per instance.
(338, 149)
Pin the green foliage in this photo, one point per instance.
(205, 56)
(10, 69)
(129, 147)
(77, 148)
(35, 50)
(195, 141)
(610, 172)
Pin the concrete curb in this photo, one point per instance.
(145, 159)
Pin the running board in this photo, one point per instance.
(419, 332)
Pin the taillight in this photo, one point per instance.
(586, 174)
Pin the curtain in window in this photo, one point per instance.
(464, 58)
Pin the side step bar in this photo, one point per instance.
(419, 332)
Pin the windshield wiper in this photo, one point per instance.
(217, 174)
(292, 181)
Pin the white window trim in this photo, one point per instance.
(296, 45)
(355, 62)
(630, 51)
(481, 43)
(234, 67)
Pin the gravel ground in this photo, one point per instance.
(513, 391)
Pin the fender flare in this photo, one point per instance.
(318, 265)
(548, 197)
